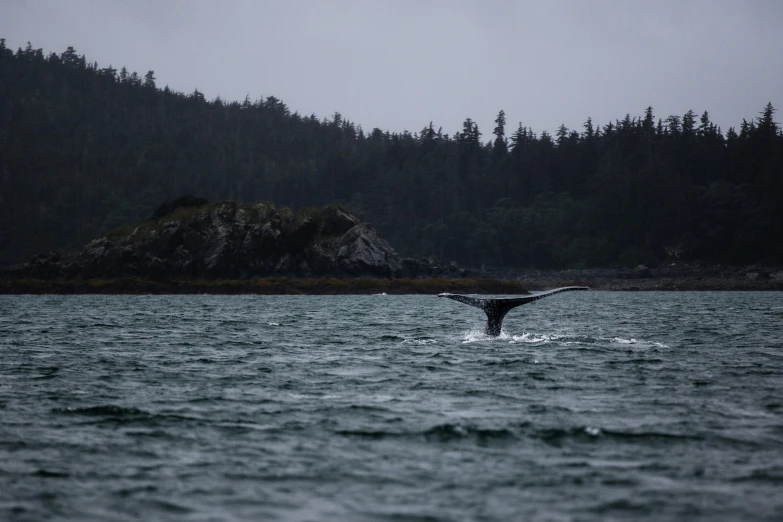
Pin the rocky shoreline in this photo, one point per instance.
(193, 246)
(669, 279)
(673, 276)
(266, 286)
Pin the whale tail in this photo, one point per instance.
(496, 309)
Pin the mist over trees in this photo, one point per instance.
(84, 149)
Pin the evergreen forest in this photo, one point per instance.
(85, 149)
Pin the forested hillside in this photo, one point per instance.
(84, 149)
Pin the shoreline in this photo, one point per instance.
(661, 284)
(667, 278)
(267, 286)
(365, 286)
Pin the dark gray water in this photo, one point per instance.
(591, 406)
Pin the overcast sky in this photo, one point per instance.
(399, 64)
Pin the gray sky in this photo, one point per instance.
(399, 64)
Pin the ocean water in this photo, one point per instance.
(590, 406)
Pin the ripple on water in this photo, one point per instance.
(441, 433)
(605, 406)
(109, 410)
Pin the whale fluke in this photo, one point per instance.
(496, 309)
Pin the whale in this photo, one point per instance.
(496, 309)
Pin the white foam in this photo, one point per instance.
(529, 337)
(621, 340)
(475, 335)
(273, 324)
(420, 341)
(593, 431)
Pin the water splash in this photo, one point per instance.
(529, 337)
(476, 335)
(621, 340)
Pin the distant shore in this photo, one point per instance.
(668, 277)
(266, 286)
(658, 284)
(609, 280)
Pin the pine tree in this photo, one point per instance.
(149, 79)
(500, 147)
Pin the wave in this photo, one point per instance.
(368, 434)
(653, 360)
(768, 475)
(45, 473)
(450, 432)
(557, 436)
(624, 505)
(154, 434)
(439, 433)
(109, 410)
(48, 373)
(238, 342)
(98, 325)
(511, 362)
(119, 415)
(421, 341)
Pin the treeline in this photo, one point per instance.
(84, 149)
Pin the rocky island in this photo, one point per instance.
(193, 245)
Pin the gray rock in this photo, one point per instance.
(361, 251)
(227, 240)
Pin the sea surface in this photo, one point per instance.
(590, 406)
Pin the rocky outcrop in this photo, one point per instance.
(228, 240)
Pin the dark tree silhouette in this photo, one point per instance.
(84, 149)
